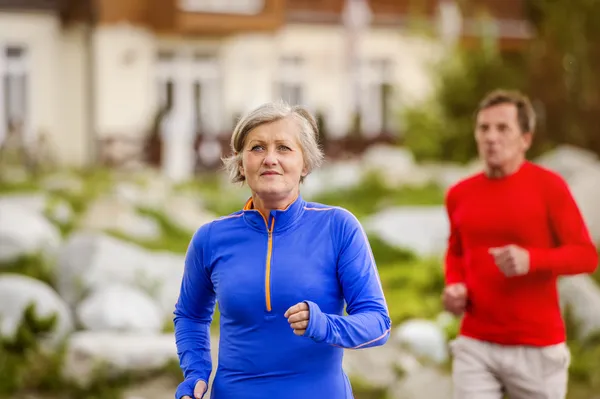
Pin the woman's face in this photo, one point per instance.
(272, 160)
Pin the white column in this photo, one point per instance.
(178, 136)
(3, 116)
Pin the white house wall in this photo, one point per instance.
(125, 84)
(328, 82)
(325, 74)
(248, 68)
(54, 103)
(74, 133)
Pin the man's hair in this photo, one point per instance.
(525, 112)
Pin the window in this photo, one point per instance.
(289, 85)
(189, 92)
(13, 91)
(166, 85)
(248, 7)
(376, 98)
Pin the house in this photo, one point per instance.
(89, 73)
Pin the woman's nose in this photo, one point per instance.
(270, 158)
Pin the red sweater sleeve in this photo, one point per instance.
(574, 252)
(453, 265)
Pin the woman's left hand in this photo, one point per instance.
(298, 316)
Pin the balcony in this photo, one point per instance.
(51, 5)
(227, 16)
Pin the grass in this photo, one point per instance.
(363, 390)
(33, 265)
(584, 373)
(412, 286)
(26, 368)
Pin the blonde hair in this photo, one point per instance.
(272, 112)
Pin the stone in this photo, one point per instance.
(422, 229)
(120, 308)
(24, 231)
(18, 291)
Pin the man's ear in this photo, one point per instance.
(527, 140)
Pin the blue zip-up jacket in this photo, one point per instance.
(256, 269)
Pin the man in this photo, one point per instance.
(514, 229)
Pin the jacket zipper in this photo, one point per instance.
(268, 264)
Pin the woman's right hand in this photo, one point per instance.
(199, 390)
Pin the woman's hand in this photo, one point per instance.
(298, 316)
(199, 390)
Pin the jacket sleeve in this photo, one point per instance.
(453, 261)
(574, 252)
(367, 323)
(193, 316)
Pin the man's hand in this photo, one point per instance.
(199, 390)
(454, 298)
(512, 260)
(298, 316)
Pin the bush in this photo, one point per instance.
(584, 373)
(412, 289)
(442, 128)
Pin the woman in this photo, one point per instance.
(281, 270)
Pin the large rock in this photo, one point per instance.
(396, 166)
(582, 297)
(422, 229)
(424, 338)
(117, 354)
(586, 190)
(90, 261)
(569, 161)
(398, 371)
(427, 382)
(332, 177)
(111, 213)
(120, 308)
(380, 366)
(25, 231)
(581, 169)
(34, 202)
(186, 212)
(17, 292)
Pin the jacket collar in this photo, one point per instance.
(278, 220)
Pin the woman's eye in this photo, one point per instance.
(256, 148)
(284, 148)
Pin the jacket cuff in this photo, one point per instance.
(186, 388)
(317, 323)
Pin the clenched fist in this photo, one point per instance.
(454, 298)
(298, 316)
(512, 260)
(199, 390)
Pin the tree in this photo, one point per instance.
(442, 128)
(563, 69)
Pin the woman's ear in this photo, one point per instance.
(304, 171)
(241, 169)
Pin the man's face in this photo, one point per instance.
(500, 140)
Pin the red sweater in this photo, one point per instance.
(534, 209)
